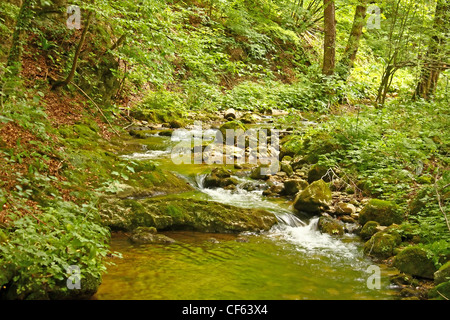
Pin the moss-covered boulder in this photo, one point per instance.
(274, 190)
(261, 172)
(443, 274)
(149, 235)
(293, 186)
(219, 178)
(286, 167)
(317, 172)
(330, 226)
(368, 230)
(231, 125)
(250, 118)
(383, 212)
(314, 199)
(382, 244)
(178, 212)
(440, 292)
(416, 262)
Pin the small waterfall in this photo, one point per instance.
(305, 236)
(249, 199)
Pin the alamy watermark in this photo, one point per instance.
(374, 280)
(74, 20)
(74, 279)
(374, 20)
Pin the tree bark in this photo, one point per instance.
(76, 57)
(23, 21)
(433, 63)
(348, 59)
(329, 51)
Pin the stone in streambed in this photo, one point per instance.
(382, 244)
(219, 178)
(330, 226)
(317, 172)
(314, 199)
(273, 190)
(343, 208)
(416, 262)
(177, 212)
(293, 186)
(369, 229)
(149, 235)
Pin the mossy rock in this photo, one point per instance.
(88, 287)
(416, 262)
(330, 226)
(149, 235)
(315, 198)
(368, 230)
(177, 123)
(286, 167)
(293, 186)
(443, 274)
(180, 212)
(317, 172)
(232, 125)
(382, 244)
(258, 173)
(219, 178)
(440, 292)
(383, 212)
(249, 118)
(403, 279)
(142, 134)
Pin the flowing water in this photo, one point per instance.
(291, 261)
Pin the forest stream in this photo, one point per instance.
(293, 260)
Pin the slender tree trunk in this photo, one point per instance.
(329, 52)
(23, 21)
(347, 61)
(433, 62)
(76, 57)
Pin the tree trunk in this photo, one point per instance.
(434, 63)
(76, 57)
(347, 61)
(329, 52)
(23, 21)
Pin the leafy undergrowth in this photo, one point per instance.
(398, 153)
(51, 180)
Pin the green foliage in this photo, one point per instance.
(39, 250)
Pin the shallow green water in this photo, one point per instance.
(288, 262)
(264, 268)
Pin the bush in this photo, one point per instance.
(39, 250)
